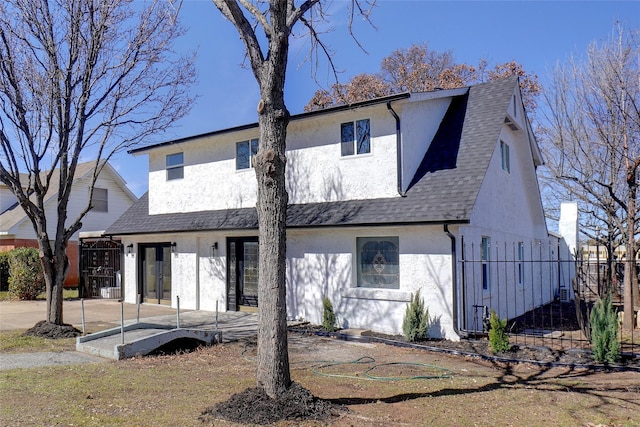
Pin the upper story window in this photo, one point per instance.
(355, 137)
(378, 262)
(504, 157)
(245, 151)
(175, 166)
(100, 201)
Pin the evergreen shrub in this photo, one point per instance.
(498, 338)
(26, 279)
(328, 315)
(604, 332)
(416, 322)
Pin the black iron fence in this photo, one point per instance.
(100, 269)
(545, 292)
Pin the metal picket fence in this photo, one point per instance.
(545, 292)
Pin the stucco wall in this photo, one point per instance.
(316, 171)
(319, 263)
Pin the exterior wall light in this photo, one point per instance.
(214, 249)
(129, 248)
(173, 247)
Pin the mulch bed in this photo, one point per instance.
(45, 329)
(253, 406)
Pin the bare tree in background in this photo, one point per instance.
(419, 69)
(80, 79)
(276, 20)
(592, 144)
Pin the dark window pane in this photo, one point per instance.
(363, 134)
(242, 155)
(175, 173)
(100, 200)
(346, 139)
(254, 147)
(175, 159)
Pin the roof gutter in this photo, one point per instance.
(399, 156)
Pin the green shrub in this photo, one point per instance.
(26, 279)
(498, 339)
(328, 316)
(604, 332)
(416, 322)
(4, 271)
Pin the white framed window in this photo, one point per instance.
(245, 150)
(485, 257)
(175, 166)
(504, 157)
(378, 262)
(355, 137)
(100, 200)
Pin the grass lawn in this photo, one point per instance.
(66, 294)
(174, 390)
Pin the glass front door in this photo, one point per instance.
(242, 277)
(156, 273)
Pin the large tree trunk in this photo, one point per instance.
(55, 265)
(273, 355)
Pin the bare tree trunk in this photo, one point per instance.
(273, 355)
(630, 264)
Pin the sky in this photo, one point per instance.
(537, 34)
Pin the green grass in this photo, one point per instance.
(66, 294)
(15, 342)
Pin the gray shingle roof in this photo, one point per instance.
(443, 190)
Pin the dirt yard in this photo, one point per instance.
(379, 385)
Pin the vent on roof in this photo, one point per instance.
(511, 124)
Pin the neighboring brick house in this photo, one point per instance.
(111, 199)
(381, 193)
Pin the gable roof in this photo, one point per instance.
(443, 190)
(14, 215)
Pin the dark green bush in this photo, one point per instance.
(416, 322)
(26, 280)
(4, 271)
(498, 339)
(604, 332)
(328, 315)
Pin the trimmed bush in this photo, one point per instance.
(604, 331)
(498, 339)
(328, 315)
(26, 279)
(4, 271)
(416, 322)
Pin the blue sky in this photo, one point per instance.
(537, 34)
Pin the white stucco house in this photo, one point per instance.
(381, 195)
(111, 198)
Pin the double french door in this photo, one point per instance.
(155, 271)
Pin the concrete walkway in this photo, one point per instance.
(106, 314)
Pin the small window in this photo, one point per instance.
(355, 137)
(520, 263)
(504, 156)
(100, 200)
(175, 166)
(485, 248)
(245, 151)
(378, 262)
